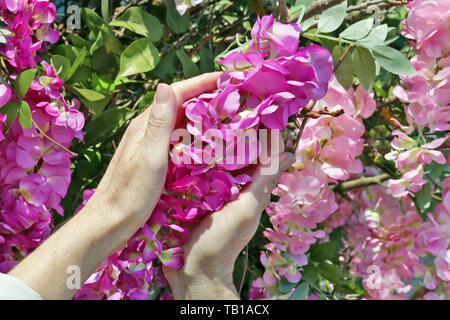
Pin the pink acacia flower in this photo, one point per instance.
(30, 21)
(336, 142)
(327, 152)
(258, 89)
(34, 172)
(272, 37)
(410, 158)
(5, 95)
(427, 26)
(381, 234)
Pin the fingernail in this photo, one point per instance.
(162, 93)
(287, 159)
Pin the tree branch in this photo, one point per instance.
(283, 11)
(361, 182)
(316, 8)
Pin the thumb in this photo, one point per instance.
(255, 198)
(161, 118)
(263, 184)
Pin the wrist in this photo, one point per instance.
(203, 287)
(111, 227)
(202, 283)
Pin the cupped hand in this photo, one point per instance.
(215, 243)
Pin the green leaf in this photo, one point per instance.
(332, 18)
(178, 24)
(285, 286)
(423, 199)
(92, 20)
(206, 61)
(83, 73)
(141, 56)
(301, 292)
(97, 44)
(393, 60)
(167, 67)
(62, 66)
(23, 82)
(310, 273)
(147, 100)
(106, 60)
(323, 251)
(376, 36)
(77, 63)
(436, 170)
(330, 271)
(89, 95)
(106, 125)
(70, 52)
(77, 41)
(25, 115)
(104, 85)
(357, 30)
(190, 69)
(111, 43)
(343, 72)
(10, 110)
(105, 10)
(364, 67)
(139, 21)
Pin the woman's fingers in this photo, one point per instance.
(255, 198)
(193, 87)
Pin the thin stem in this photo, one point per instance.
(245, 270)
(300, 133)
(73, 154)
(346, 52)
(322, 36)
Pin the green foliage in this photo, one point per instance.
(364, 67)
(23, 82)
(332, 18)
(25, 115)
(10, 110)
(141, 56)
(393, 60)
(343, 71)
(139, 21)
(301, 292)
(357, 30)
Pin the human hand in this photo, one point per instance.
(135, 177)
(215, 243)
(122, 203)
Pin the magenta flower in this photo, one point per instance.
(270, 37)
(5, 95)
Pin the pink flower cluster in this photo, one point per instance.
(381, 233)
(265, 84)
(427, 95)
(30, 22)
(427, 27)
(327, 153)
(390, 245)
(434, 239)
(34, 172)
(5, 96)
